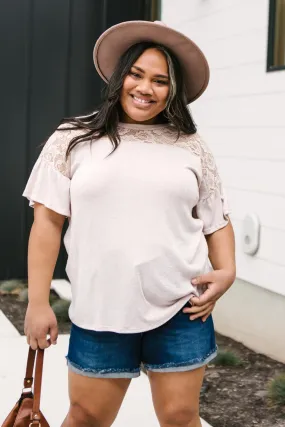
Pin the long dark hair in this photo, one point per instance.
(105, 120)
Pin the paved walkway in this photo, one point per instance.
(137, 409)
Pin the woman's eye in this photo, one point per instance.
(134, 74)
(138, 76)
(161, 82)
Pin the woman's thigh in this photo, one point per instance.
(176, 395)
(101, 366)
(175, 355)
(95, 401)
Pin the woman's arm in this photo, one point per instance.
(221, 246)
(43, 249)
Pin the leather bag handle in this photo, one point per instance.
(35, 376)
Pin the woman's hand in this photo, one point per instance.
(203, 311)
(218, 282)
(40, 321)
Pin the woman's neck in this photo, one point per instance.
(159, 119)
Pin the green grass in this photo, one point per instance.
(227, 358)
(276, 390)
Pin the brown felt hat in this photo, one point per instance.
(112, 44)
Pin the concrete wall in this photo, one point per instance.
(242, 117)
(254, 316)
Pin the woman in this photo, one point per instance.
(146, 210)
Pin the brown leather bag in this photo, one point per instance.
(26, 412)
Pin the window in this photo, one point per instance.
(276, 36)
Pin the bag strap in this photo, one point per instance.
(35, 415)
(28, 381)
(33, 355)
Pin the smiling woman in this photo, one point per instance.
(145, 90)
(147, 86)
(146, 210)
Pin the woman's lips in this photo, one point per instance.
(141, 103)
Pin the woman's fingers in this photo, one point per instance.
(43, 343)
(204, 318)
(203, 313)
(196, 308)
(34, 343)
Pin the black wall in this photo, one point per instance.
(46, 73)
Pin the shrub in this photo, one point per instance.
(276, 390)
(227, 358)
(12, 286)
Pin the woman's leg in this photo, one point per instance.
(101, 365)
(176, 397)
(94, 402)
(175, 355)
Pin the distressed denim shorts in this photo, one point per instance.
(180, 344)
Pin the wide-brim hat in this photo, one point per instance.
(115, 41)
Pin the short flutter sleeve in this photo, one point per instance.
(212, 207)
(49, 181)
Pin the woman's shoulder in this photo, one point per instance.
(62, 136)
(67, 131)
(193, 142)
(55, 149)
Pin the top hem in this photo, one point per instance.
(176, 308)
(217, 227)
(32, 200)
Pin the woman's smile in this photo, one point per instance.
(145, 90)
(142, 102)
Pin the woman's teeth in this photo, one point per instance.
(142, 101)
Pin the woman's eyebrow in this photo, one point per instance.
(157, 75)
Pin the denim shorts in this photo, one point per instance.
(180, 344)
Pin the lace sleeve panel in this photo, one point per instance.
(54, 151)
(210, 182)
(212, 207)
(49, 181)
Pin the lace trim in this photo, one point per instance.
(55, 149)
(210, 183)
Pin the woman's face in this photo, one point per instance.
(145, 90)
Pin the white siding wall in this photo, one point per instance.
(242, 117)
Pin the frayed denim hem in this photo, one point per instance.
(103, 373)
(186, 366)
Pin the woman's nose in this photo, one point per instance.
(145, 87)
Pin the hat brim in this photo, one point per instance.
(112, 44)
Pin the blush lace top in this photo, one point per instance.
(137, 221)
